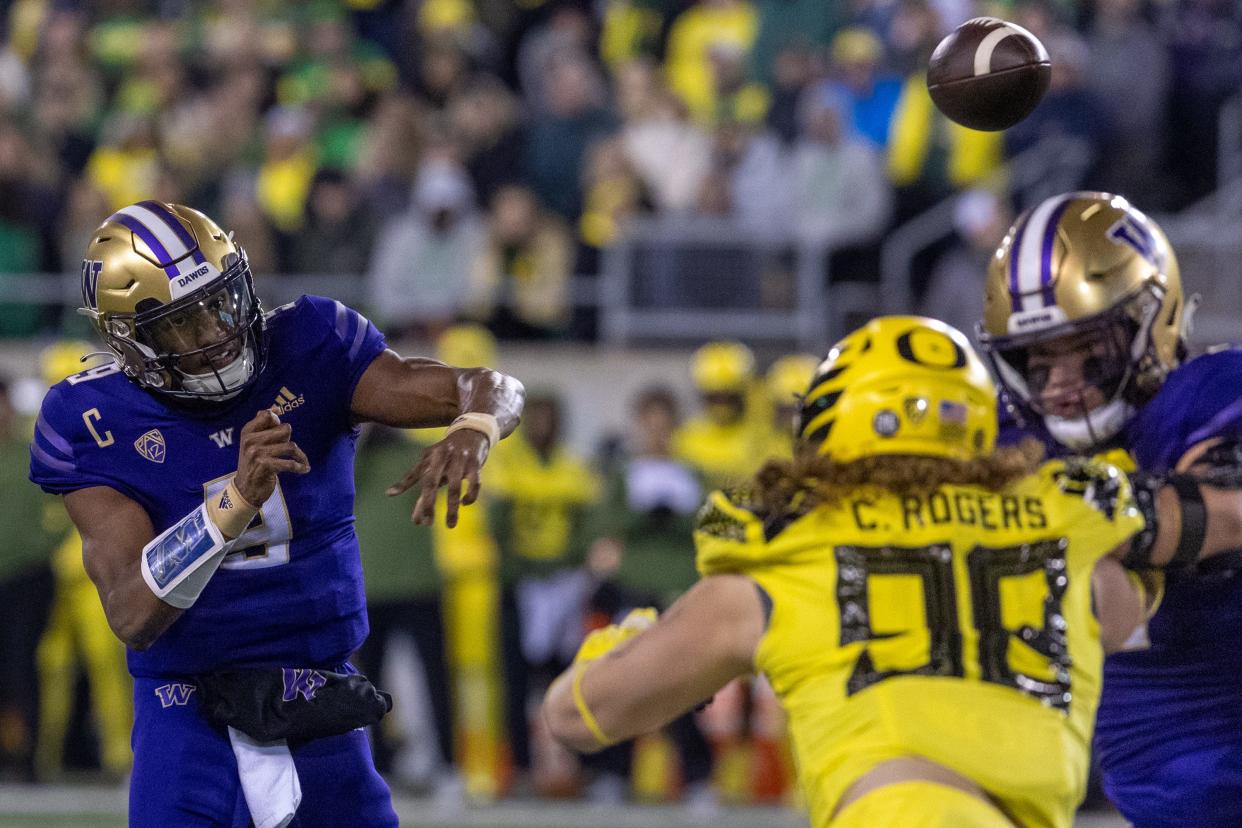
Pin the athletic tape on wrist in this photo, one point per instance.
(477, 421)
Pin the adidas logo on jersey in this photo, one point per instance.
(286, 401)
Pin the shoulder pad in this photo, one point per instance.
(729, 535)
(1098, 484)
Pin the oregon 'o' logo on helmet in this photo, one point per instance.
(904, 385)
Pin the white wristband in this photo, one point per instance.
(179, 562)
(485, 424)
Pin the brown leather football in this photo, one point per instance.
(988, 74)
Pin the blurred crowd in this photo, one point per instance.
(468, 626)
(466, 158)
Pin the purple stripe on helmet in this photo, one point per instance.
(54, 440)
(1045, 255)
(151, 241)
(1015, 293)
(177, 227)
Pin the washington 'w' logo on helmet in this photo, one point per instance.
(90, 281)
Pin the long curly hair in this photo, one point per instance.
(810, 479)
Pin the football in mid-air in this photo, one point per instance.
(988, 74)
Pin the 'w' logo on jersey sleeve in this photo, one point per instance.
(222, 438)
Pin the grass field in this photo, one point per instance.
(100, 807)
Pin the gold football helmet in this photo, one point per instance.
(904, 385)
(172, 297)
(1089, 266)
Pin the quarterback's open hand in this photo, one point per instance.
(266, 449)
(447, 464)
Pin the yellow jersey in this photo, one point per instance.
(955, 626)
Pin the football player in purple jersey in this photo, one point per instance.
(1085, 325)
(209, 469)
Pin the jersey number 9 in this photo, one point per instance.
(266, 540)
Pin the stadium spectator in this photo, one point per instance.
(33, 524)
(403, 598)
(746, 160)
(421, 266)
(339, 231)
(1132, 103)
(559, 137)
(389, 153)
(540, 496)
(519, 279)
(289, 164)
(1067, 110)
(840, 193)
(857, 56)
(644, 555)
(487, 126)
(929, 156)
(564, 35)
(723, 443)
(795, 69)
(703, 33)
(1205, 41)
(670, 153)
(28, 212)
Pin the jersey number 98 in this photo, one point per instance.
(1015, 600)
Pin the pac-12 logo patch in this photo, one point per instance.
(151, 446)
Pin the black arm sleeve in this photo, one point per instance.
(1193, 522)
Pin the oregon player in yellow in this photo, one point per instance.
(724, 443)
(931, 610)
(77, 636)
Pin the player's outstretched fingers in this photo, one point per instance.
(472, 488)
(453, 473)
(411, 477)
(432, 480)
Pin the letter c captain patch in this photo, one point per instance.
(151, 446)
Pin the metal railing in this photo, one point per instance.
(690, 280)
(1052, 166)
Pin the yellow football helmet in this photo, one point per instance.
(467, 345)
(905, 385)
(1086, 263)
(64, 358)
(787, 378)
(722, 368)
(172, 297)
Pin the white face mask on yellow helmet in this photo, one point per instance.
(173, 299)
(1085, 267)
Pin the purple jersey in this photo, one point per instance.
(1169, 727)
(291, 594)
